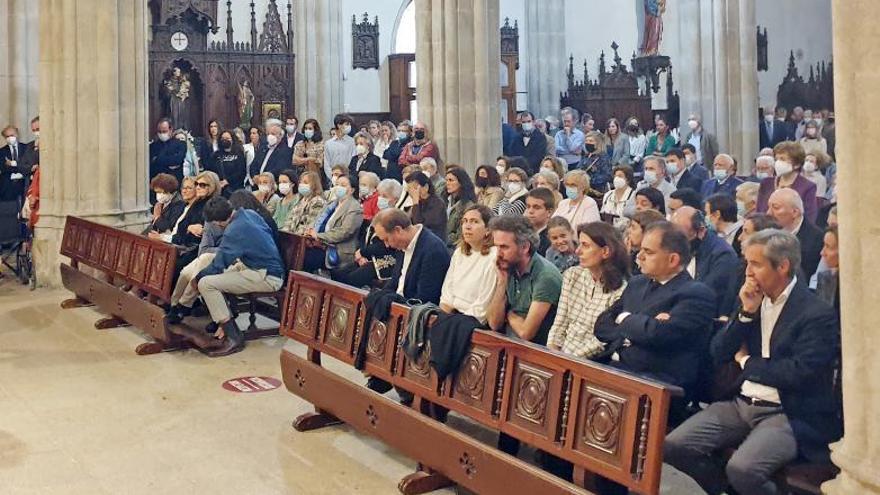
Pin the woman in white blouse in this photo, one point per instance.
(471, 278)
(577, 207)
(614, 202)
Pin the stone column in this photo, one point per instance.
(319, 59)
(545, 40)
(856, 49)
(19, 57)
(93, 106)
(458, 55)
(716, 72)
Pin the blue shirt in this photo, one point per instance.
(569, 147)
(249, 239)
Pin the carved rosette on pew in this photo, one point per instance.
(602, 420)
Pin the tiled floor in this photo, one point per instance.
(81, 413)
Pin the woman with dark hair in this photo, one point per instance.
(252, 145)
(308, 154)
(169, 205)
(287, 189)
(209, 145)
(589, 289)
(460, 196)
(650, 199)
(472, 275)
(229, 163)
(618, 143)
(488, 186)
(428, 209)
(615, 200)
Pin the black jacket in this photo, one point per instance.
(392, 154)
(811, 239)
(170, 213)
(167, 158)
(689, 180)
(666, 350)
(804, 349)
(194, 216)
(533, 152)
(280, 159)
(431, 213)
(426, 271)
(372, 163)
(231, 167)
(13, 189)
(716, 265)
(782, 131)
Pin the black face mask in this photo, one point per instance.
(695, 245)
(590, 147)
(419, 134)
(482, 182)
(633, 128)
(226, 144)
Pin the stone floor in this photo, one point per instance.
(80, 413)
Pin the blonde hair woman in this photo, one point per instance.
(578, 208)
(312, 202)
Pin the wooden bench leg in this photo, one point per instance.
(315, 420)
(423, 481)
(155, 347)
(111, 322)
(76, 302)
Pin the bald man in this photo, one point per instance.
(714, 262)
(723, 180)
(787, 208)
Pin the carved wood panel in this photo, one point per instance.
(123, 259)
(342, 317)
(600, 413)
(158, 276)
(69, 239)
(418, 375)
(97, 242)
(533, 398)
(475, 386)
(83, 239)
(382, 343)
(140, 262)
(108, 255)
(304, 313)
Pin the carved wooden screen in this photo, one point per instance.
(816, 93)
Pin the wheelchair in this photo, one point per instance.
(15, 244)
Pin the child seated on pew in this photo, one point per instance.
(562, 249)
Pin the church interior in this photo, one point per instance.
(438, 246)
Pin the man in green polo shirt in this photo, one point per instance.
(527, 292)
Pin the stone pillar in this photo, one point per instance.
(319, 58)
(545, 40)
(458, 55)
(716, 72)
(19, 57)
(93, 106)
(855, 47)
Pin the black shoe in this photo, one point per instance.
(232, 343)
(406, 397)
(177, 313)
(212, 327)
(378, 385)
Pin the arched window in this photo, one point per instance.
(405, 36)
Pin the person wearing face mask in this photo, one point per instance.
(337, 227)
(654, 178)
(813, 142)
(13, 169)
(789, 160)
(229, 163)
(340, 148)
(705, 143)
(364, 160)
(368, 182)
(577, 207)
(488, 186)
(289, 196)
(311, 203)
(419, 148)
(690, 161)
(169, 205)
(514, 202)
(275, 157)
(166, 154)
(402, 137)
(764, 168)
(637, 143)
(614, 202)
(679, 173)
(429, 168)
(724, 178)
(387, 134)
(529, 143)
(771, 131)
(813, 163)
(291, 132)
(265, 193)
(308, 154)
(595, 162)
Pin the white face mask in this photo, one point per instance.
(37, 135)
(271, 140)
(514, 187)
(361, 149)
(768, 118)
(650, 177)
(265, 189)
(163, 198)
(163, 136)
(782, 167)
(689, 159)
(809, 167)
(619, 183)
(693, 124)
(284, 188)
(500, 169)
(364, 191)
(346, 129)
(528, 127)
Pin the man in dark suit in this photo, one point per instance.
(529, 143)
(13, 170)
(291, 132)
(167, 154)
(787, 208)
(724, 179)
(787, 343)
(714, 260)
(423, 260)
(392, 154)
(678, 172)
(658, 326)
(773, 131)
(276, 157)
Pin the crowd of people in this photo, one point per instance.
(645, 250)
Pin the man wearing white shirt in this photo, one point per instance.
(787, 343)
(12, 170)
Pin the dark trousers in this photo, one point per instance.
(355, 276)
(763, 436)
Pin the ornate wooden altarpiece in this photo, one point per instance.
(816, 93)
(238, 83)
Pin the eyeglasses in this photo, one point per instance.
(202, 184)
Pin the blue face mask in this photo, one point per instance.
(383, 203)
(650, 176)
(571, 192)
(672, 168)
(340, 192)
(740, 208)
(304, 189)
(720, 175)
(709, 225)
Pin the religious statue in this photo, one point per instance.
(177, 92)
(245, 104)
(654, 10)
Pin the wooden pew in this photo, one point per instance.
(124, 259)
(606, 422)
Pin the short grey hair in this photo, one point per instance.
(791, 197)
(765, 158)
(548, 175)
(779, 245)
(429, 161)
(371, 177)
(366, 137)
(390, 187)
(519, 227)
(572, 112)
(660, 161)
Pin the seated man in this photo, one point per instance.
(423, 260)
(246, 261)
(713, 262)
(787, 208)
(658, 325)
(724, 179)
(786, 340)
(679, 174)
(682, 197)
(540, 205)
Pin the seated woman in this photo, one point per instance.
(472, 275)
(364, 160)
(589, 289)
(614, 202)
(337, 228)
(514, 202)
(548, 180)
(488, 182)
(460, 196)
(428, 209)
(650, 199)
(169, 205)
(336, 172)
(289, 196)
(595, 162)
(634, 233)
(578, 207)
(304, 213)
(187, 230)
(562, 249)
(369, 198)
(790, 157)
(265, 192)
(374, 260)
(556, 165)
(229, 163)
